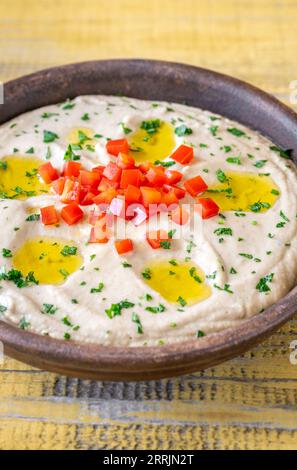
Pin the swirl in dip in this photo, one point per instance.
(210, 239)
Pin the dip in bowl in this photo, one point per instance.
(142, 237)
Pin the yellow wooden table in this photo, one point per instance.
(246, 403)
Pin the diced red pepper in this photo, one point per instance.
(132, 193)
(105, 197)
(183, 154)
(156, 237)
(170, 198)
(206, 207)
(48, 173)
(88, 199)
(72, 214)
(58, 185)
(180, 216)
(179, 192)
(99, 232)
(71, 192)
(96, 237)
(49, 215)
(195, 185)
(145, 166)
(91, 179)
(173, 176)
(72, 168)
(98, 169)
(156, 176)
(112, 172)
(133, 177)
(106, 184)
(114, 147)
(150, 195)
(125, 161)
(123, 246)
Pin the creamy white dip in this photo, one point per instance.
(262, 243)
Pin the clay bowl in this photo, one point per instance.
(154, 81)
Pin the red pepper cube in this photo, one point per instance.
(132, 193)
(114, 147)
(125, 161)
(58, 185)
(72, 214)
(179, 192)
(195, 186)
(48, 173)
(183, 154)
(206, 207)
(105, 197)
(180, 216)
(173, 176)
(72, 168)
(49, 215)
(112, 172)
(156, 237)
(71, 192)
(150, 195)
(133, 177)
(123, 246)
(91, 179)
(156, 176)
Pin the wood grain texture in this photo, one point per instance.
(246, 403)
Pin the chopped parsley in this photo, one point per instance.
(6, 253)
(159, 309)
(183, 130)
(85, 117)
(126, 130)
(151, 126)
(3, 165)
(173, 262)
(235, 131)
(136, 320)
(214, 130)
(126, 265)
(98, 289)
(166, 245)
(70, 155)
(235, 160)
(200, 334)
(223, 231)
(49, 309)
(181, 301)
(24, 324)
(194, 275)
(246, 255)
(147, 274)
(260, 163)
(69, 250)
(164, 164)
(49, 136)
(257, 206)
(282, 153)
(226, 288)
(262, 285)
(221, 176)
(116, 309)
(18, 278)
